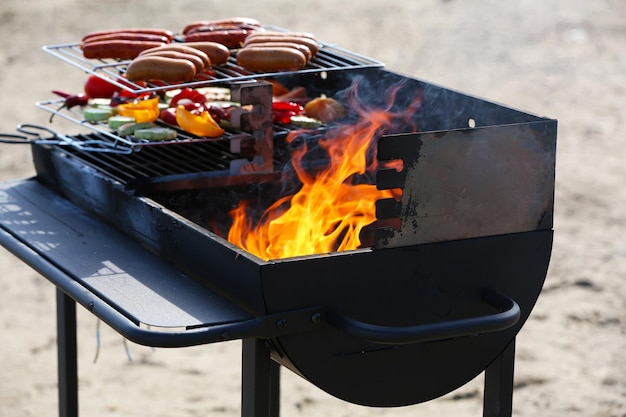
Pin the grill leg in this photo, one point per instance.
(498, 396)
(274, 382)
(260, 387)
(67, 355)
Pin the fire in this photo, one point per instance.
(333, 204)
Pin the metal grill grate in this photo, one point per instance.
(130, 144)
(157, 161)
(329, 58)
(191, 165)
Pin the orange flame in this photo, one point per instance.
(331, 208)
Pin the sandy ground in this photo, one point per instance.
(556, 58)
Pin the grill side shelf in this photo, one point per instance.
(121, 282)
(101, 260)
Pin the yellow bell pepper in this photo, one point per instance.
(141, 110)
(197, 124)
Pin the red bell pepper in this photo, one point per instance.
(283, 110)
(189, 95)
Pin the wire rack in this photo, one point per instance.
(329, 58)
(55, 106)
(107, 140)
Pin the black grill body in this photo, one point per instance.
(476, 221)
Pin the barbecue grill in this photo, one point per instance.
(450, 273)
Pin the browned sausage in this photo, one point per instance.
(152, 67)
(235, 22)
(183, 49)
(118, 49)
(129, 36)
(278, 58)
(309, 43)
(231, 38)
(213, 28)
(199, 64)
(302, 48)
(218, 53)
(160, 32)
(297, 34)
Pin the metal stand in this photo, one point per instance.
(260, 374)
(67, 355)
(261, 382)
(260, 390)
(498, 396)
(260, 394)
(260, 377)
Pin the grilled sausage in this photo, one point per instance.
(149, 31)
(235, 22)
(197, 62)
(287, 34)
(183, 49)
(129, 36)
(152, 67)
(268, 59)
(118, 49)
(231, 38)
(266, 37)
(218, 53)
(302, 48)
(213, 28)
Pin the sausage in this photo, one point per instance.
(235, 22)
(302, 48)
(218, 53)
(160, 32)
(231, 38)
(279, 58)
(262, 38)
(128, 36)
(118, 49)
(152, 67)
(297, 34)
(183, 49)
(213, 28)
(197, 62)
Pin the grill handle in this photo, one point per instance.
(507, 317)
